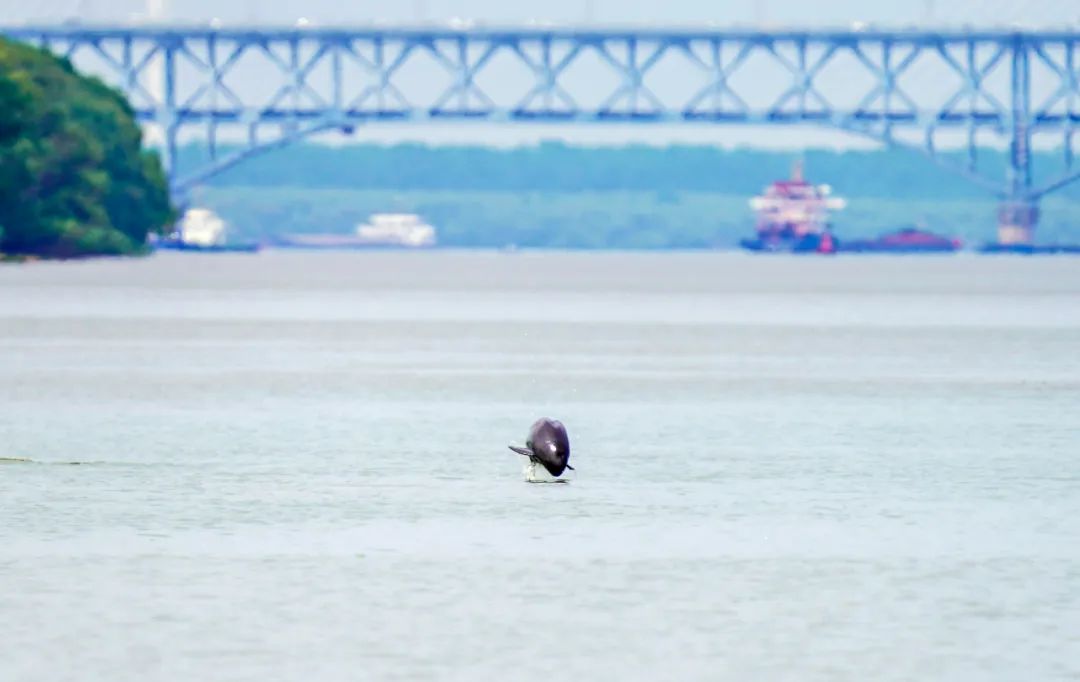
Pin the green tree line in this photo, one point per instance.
(558, 167)
(75, 179)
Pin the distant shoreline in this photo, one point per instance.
(1071, 251)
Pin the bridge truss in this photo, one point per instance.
(935, 92)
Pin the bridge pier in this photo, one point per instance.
(1017, 220)
(1019, 213)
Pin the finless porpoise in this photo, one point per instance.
(549, 445)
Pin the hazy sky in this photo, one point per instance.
(792, 12)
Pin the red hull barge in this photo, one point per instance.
(907, 240)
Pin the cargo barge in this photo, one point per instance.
(906, 240)
(383, 231)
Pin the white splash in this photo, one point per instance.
(536, 473)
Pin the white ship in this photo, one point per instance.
(200, 229)
(382, 231)
(396, 229)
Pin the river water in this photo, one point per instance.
(294, 466)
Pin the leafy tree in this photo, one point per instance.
(74, 177)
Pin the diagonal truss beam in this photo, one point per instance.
(803, 85)
(547, 77)
(633, 88)
(718, 87)
(383, 90)
(465, 73)
(887, 80)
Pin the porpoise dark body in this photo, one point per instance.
(549, 445)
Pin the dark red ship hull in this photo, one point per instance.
(903, 241)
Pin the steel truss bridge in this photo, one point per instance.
(245, 90)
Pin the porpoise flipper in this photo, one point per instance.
(521, 451)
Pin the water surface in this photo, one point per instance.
(294, 466)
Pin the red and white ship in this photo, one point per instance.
(793, 216)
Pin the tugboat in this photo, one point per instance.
(200, 229)
(792, 217)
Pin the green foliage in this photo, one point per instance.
(74, 178)
(557, 167)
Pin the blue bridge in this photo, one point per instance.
(945, 94)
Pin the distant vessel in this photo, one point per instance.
(793, 216)
(383, 230)
(200, 229)
(396, 229)
(906, 240)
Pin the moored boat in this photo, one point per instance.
(200, 229)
